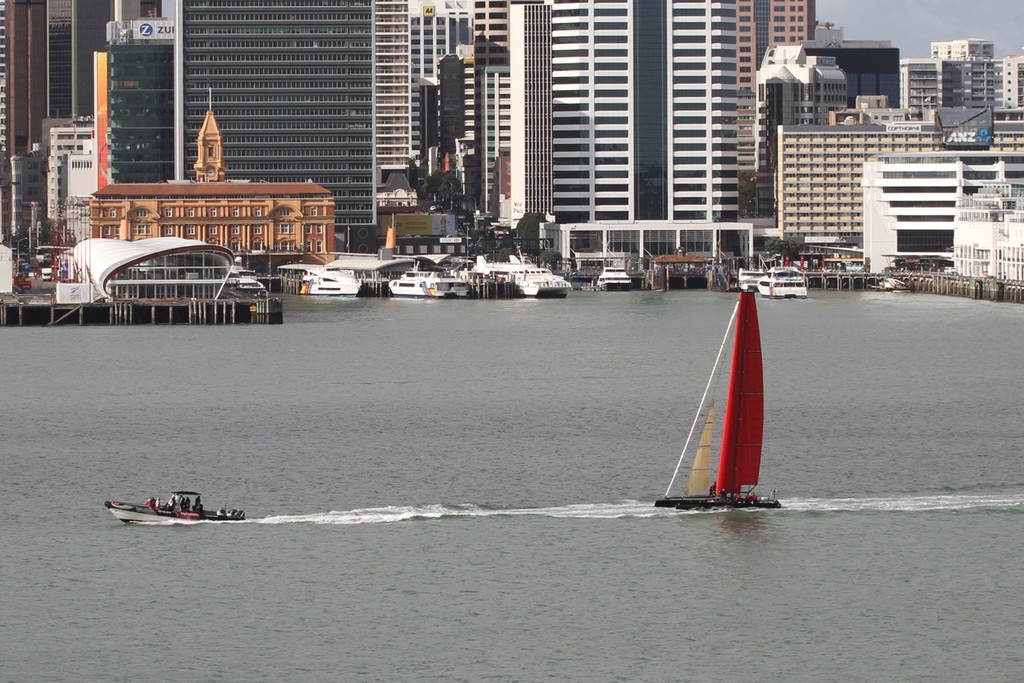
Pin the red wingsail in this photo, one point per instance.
(740, 460)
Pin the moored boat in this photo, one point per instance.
(181, 507)
(783, 282)
(614, 279)
(739, 462)
(420, 284)
(530, 279)
(747, 280)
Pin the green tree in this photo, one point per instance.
(528, 227)
(551, 258)
(444, 184)
(775, 247)
(747, 189)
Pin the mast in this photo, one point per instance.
(703, 399)
(740, 459)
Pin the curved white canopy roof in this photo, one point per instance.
(101, 258)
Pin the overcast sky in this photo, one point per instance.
(912, 25)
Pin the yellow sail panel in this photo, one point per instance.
(699, 481)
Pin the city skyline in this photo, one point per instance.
(912, 25)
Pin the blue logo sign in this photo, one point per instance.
(146, 30)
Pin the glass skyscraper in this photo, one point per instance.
(291, 84)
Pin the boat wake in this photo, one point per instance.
(645, 509)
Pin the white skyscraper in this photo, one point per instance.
(644, 110)
(530, 107)
(392, 87)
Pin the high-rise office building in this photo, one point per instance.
(872, 67)
(760, 25)
(77, 29)
(292, 87)
(530, 109)
(392, 87)
(140, 101)
(644, 111)
(490, 51)
(26, 74)
(436, 30)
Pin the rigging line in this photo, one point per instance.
(704, 398)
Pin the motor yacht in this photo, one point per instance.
(530, 279)
(614, 279)
(783, 282)
(420, 284)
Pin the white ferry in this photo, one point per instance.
(530, 279)
(614, 279)
(419, 284)
(783, 282)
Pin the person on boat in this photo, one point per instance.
(711, 489)
(184, 504)
(157, 505)
(151, 503)
(198, 505)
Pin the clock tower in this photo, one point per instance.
(209, 164)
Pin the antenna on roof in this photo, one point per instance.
(209, 92)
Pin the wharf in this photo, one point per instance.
(37, 311)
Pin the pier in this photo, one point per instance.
(42, 312)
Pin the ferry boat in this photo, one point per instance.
(747, 279)
(614, 279)
(783, 282)
(243, 283)
(420, 284)
(530, 279)
(330, 282)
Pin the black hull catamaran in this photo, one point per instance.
(153, 513)
(739, 462)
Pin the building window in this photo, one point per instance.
(314, 211)
(212, 230)
(236, 229)
(111, 213)
(284, 211)
(284, 228)
(257, 211)
(213, 212)
(140, 213)
(167, 231)
(309, 229)
(191, 213)
(140, 230)
(257, 229)
(106, 230)
(168, 213)
(236, 212)
(190, 230)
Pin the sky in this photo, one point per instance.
(912, 25)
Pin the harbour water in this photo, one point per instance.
(462, 491)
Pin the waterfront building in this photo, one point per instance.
(643, 125)
(911, 200)
(139, 122)
(264, 219)
(989, 239)
(872, 67)
(818, 184)
(495, 136)
(159, 268)
(293, 88)
(456, 136)
(392, 88)
(25, 74)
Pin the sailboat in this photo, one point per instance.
(739, 461)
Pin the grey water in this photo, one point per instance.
(462, 491)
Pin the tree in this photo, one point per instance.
(528, 227)
(551, 258)
(443, 183)
(747, 189)
(786, 249)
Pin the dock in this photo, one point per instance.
(29, 311)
